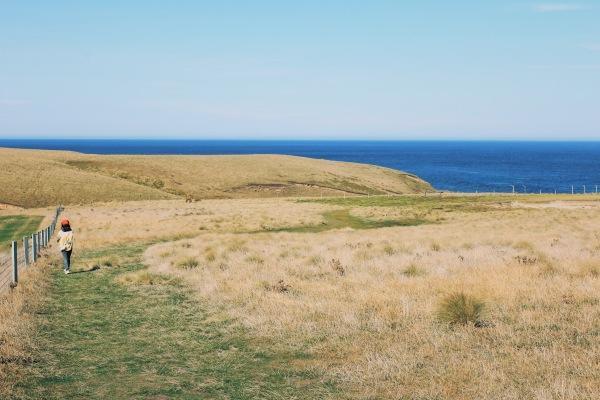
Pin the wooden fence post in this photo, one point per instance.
(15, 264)
(26, 250)
(34, 246)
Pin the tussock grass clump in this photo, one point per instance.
(166, 254)
(210, 256)
(108, 262)
(337, 266)
(142, 278)
(188, 263)
(462, 309)
(389, 250)
(413, 270)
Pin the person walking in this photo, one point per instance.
(65, 243)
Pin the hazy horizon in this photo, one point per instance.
(343, 70)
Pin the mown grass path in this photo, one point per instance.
(103, 340)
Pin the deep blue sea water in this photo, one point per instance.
(466, 166)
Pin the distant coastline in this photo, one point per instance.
(465, 166)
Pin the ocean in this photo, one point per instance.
(465, 166)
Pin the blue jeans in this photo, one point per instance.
(66, 259)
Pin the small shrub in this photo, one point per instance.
(413, 271)
(462, 309)
(188, 263)
(337, 266)
(435, 246)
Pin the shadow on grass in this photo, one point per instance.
(83, 271)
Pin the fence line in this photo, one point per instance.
(25, 253)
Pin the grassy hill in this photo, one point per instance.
(33, 178)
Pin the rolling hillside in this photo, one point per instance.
(31, 178)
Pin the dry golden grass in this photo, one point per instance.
(18, 327)
(529, 276)
(113, 223)
(371, 306)
(33, 178)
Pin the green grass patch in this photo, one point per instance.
(100, 339)
(433, 201)
(436, 201)
(15, 227)
(339, 219)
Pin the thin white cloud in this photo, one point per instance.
(557, 7)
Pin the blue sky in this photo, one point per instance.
(300, 69)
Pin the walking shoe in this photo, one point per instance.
(67, 272)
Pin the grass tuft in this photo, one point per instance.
(462, 309)
(188, 263)
(413, 271)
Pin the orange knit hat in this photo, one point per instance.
(64, 222)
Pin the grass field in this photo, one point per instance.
(105, 335)
(494, 297)
(14, 227)
(34, 178)
(437, 297)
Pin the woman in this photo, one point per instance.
(65, 243)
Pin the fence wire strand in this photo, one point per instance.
(6, 261)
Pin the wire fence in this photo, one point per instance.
(24, 253)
